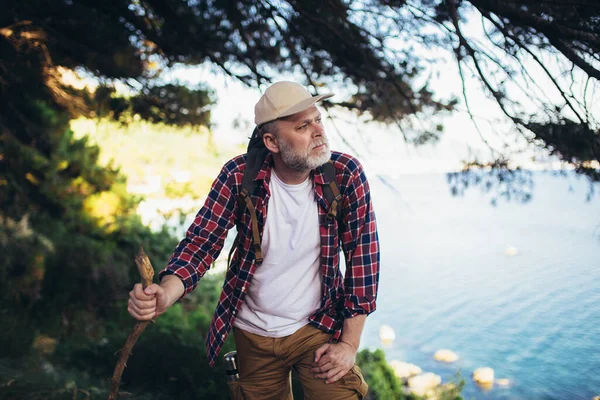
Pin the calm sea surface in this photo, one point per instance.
(446, 282)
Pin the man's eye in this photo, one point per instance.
(302, 126)
(318, 120)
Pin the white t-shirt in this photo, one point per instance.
(286, 288)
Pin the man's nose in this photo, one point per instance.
(317, 129)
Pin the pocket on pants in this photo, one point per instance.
(354, 380)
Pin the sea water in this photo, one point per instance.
(514, 287)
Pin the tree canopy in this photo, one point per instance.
(368, 46)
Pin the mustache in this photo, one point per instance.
(319, 142)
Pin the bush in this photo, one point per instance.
(382, 381)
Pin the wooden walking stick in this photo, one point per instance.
(147, 273)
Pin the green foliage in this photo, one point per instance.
(53, 174)
(168, 361)
(34, 378)
(162, 366)
(173, 105)
(16, 335)
(68, 235)
(453, 390)
(384, 385)
(382, 381)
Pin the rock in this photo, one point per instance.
(484, 376)
(445, 355)
(387, 334)
(596, 398)
(404, 370)
(503, 382)
(511, 251)
(422, 384)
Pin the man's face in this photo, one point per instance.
(302, 142)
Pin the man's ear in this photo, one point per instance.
(271, 142)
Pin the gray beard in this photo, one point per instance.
(302, 162)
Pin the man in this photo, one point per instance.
(293, 308)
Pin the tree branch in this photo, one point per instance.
(534, 56)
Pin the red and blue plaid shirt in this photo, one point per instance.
(343, 296)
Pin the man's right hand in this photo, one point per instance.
(145, 304)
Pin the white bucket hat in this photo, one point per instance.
(282, 99)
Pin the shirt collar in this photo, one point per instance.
(319, 177)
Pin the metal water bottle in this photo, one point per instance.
(231, 366)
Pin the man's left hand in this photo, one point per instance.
(333, 360)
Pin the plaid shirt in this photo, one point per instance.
(342, 297)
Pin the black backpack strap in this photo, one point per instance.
(331, 192)
(255, 158)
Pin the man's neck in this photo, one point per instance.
(288, 175)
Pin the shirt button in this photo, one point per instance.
(243, 288)
(234, 312)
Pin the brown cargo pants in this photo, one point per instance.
(265, 366)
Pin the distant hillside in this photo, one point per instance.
(159, 161)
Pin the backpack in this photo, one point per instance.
(255, 157)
